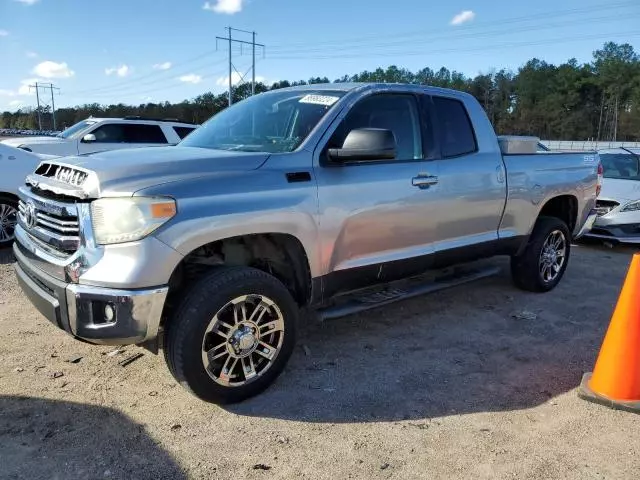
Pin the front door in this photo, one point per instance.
(376, 218)
(112, 136)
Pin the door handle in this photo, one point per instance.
(424, 180)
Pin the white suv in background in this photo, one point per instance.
(100, 134)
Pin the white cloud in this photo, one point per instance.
(16, 103)
(235, 79)
(24, 86)
(7, 93)
(224, 6)
(28, 2)
(121, 71)
(191, 78)
(463, 17)
(31, 54)
(49, 69)
(162, 66)
(3, 33)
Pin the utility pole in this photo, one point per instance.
(46, 86)
(230, 69)
(53, 107)
(253, 44)
(38, 100)
(615, 125)
(253, 64)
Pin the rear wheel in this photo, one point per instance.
(543, 263)
(232, 335)
(8, 220)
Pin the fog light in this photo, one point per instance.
(109, 313)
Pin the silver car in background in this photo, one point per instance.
(618, 204)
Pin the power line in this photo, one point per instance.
(232, 66)
(127, 82)
(434, 38)
(540, 17)
(170, 87)
(632, 33)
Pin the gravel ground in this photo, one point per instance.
(449, 385)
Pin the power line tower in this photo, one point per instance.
(232, 67)
(46, 86)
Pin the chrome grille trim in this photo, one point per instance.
(65, 174)
(58, 229)
(65, 179)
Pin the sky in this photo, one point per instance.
(141, 51)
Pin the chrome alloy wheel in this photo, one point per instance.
(553, 256)
(8, 221)
(242, 340)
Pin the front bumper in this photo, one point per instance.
(623, 227)
(623, 233)
(79, 309)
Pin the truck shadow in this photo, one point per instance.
(41, 439)
(480, 348)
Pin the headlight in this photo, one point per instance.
(631, 207)
(119, 220)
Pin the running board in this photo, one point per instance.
(396, 291)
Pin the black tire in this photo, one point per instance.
(525, 268)
(6, 200)
(185, 331)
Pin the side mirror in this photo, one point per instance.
(365, 144)
(88, 138)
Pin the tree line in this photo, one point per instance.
(599, 100)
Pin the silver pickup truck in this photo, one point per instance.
(317, 196)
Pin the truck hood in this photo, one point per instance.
(16, 142)
(123, 172)
(619, 190)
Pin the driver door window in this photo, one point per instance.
(110, 133)
(398, 113)
(382, 225)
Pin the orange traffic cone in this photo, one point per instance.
(615, 381)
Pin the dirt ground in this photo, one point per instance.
(449, 385)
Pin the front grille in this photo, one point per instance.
(605, 206)
(59, 231)
(62, 173)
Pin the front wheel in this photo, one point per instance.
(8, 220)
(232, 335)
(543, 263)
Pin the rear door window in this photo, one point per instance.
(454, 127)
(144, 133)
(109, 133)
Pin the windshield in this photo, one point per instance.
(625, 166)
(74, 129)
(272, 122)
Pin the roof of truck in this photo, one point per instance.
(349, 86)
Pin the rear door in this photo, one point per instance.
(144, 135)
(377, 218)
(472, 188)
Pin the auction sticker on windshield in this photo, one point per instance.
(319, 99)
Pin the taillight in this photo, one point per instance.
(600, 177)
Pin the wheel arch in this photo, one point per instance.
(279, 254)
(9, 195)
(563, 207)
